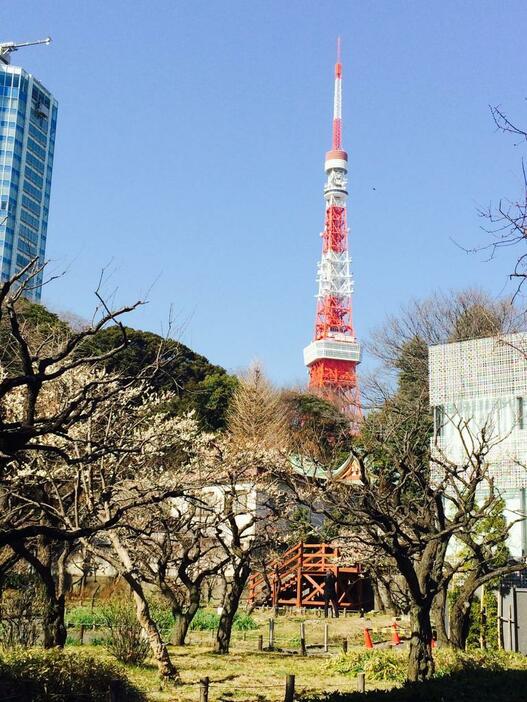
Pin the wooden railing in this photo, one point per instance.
(290, 570)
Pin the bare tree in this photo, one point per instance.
(146, 462)
(409, 504)
(183, 553)
(507, 222)
(483, 559)
(133, 483)
(410, 514)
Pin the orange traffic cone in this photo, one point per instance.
(395, 635)
(368, 643)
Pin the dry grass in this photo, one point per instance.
(246, 674)
(242, 675)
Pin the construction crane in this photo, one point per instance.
(8, 47)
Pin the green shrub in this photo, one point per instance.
(43, 676)
(449, 661)
(382, 664)
(244, 622)
(162, 615)
(98, 616)
(85, 616)
(126, 640)
(205, 620)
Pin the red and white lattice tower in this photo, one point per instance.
(333, 355)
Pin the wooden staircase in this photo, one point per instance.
(297, 579)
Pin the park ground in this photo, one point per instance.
(246, 673)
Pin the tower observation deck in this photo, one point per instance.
(333, 355)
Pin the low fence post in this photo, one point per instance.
(81, 635)
(344, 645)
(326, 637)
(303, 639)
(361, 682)
(271, 634)
(260, 642)
(289, 688)
(204, 690)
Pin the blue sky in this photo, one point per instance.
(190, 146)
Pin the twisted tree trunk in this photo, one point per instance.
(420, 661)
(53, 625)
(182, 621)
(460, 615)
(231, 602)
(439, 611)
(53, 589)
(125, 568)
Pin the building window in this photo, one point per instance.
(439, 420)
(520, 413)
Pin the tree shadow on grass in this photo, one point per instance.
(467, 686)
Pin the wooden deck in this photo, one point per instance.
(297, 579)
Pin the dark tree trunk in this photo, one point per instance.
(378, 603)
(439, 611)
(53, 626)
(231, 602)
(182, 622)
(460, 621)
(386, 596)
(420, 660)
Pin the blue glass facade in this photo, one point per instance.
(28, 122)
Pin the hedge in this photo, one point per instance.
(46, 676)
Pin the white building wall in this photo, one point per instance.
(481, 384)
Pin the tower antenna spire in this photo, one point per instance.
(337, 102)
(333, 355)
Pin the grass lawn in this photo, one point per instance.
(246, 673)
(242, 675)
(259, 676)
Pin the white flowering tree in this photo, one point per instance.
(31, 361)
(52, 382)
(150, 459)
(144, 485)
(79, 448)
(181, 553)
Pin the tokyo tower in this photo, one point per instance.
(333, 355)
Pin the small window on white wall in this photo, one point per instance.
(520, 413)
(439, 420)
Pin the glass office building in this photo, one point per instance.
(28, 121)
